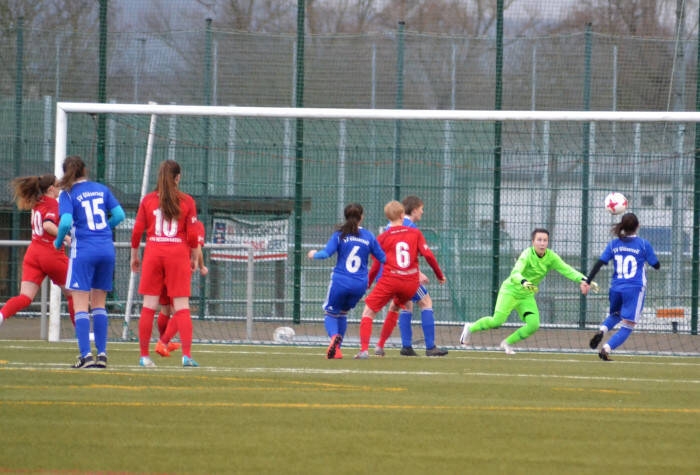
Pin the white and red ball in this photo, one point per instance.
(616, 203)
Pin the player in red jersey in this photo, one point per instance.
(166, 216)
(197, 233)
(39, 193)
(400, 275)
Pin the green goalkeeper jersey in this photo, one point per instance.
(533, 268)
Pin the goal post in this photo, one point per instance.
(556, 168)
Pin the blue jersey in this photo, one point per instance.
(353, 254)
(629, 254)
(89, 203)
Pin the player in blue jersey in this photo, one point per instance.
(628, 285)
(89, 211)
(349, 279)
(413, 207)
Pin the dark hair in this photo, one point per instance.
(353, 216)
(538, 230)
(627, 226)
(168, 192)
(74, 169)
(410, 203)
(28, 190)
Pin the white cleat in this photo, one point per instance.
(464, 337)
(146, 362)
(362, 355)
(507, 348)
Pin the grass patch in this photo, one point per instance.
(277, 409)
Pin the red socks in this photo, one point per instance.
(14, 305)
(365, 333)
(390, 321)
(163, 320)
(145, 329)
(181, 322)
(184, 326)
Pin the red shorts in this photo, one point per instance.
(40, 261)
(172, 271)
(164, 299)
(400, 289)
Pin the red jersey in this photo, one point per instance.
(166, 259)
(402, 246)
(400, 275)
(162, 235)
(46, 209)
(41, 258)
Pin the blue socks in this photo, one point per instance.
(427, 320)
(100, 324)
(331, 324)
(82, 332)
(405, 328)
(342, 325)
(336, 325)
(619, 338)
(611, 321)
(100, 327)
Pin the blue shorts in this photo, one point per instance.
(627, 303)
(420, 293)
(343, 295)
(91, 272)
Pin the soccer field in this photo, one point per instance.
(286, 409)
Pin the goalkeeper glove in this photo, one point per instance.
(595, 288)
(529, 286)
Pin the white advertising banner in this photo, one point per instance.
(268, 238)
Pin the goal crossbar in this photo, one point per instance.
(379, 114)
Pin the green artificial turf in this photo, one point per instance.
(285, 409)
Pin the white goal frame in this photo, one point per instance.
(64, 108)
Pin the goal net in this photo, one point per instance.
(273, 182)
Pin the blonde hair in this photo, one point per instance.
(393, 210)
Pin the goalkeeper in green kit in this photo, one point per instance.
(518, 291)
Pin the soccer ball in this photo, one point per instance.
(283, 335)
(616, 203)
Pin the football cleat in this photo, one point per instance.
(435, 351)
(189, 362)
(362, 355)
(146, 362)
(161, 349)
(595, 341)
(101, 361)
(464, 337)
(334, 346)
(507, 348)
(84, 362)
(174, 346)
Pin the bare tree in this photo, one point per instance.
(341, 16)
(263, 16)
(645, 18)
(455, 17)
(58, 36)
